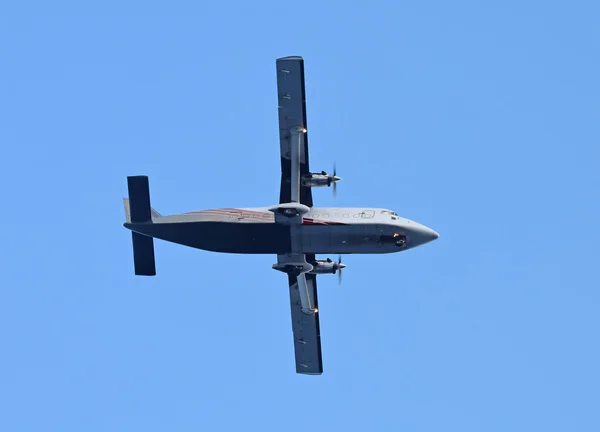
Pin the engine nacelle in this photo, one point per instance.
(319, 179)
(326, 267)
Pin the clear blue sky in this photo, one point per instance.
(478, 121)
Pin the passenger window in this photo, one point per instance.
(325, 215)
(345, 215)
(316, 215)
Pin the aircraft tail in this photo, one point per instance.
(138, 211)
(154, 215)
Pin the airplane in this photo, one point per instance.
(294, 229)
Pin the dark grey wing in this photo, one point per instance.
(291, 96)
(307, 334)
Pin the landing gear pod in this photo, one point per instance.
(293, 268)
(289, 213)
(290, 209)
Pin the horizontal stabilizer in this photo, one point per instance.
(138, 211)
(139, 199)
(143, 255)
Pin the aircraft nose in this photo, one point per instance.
(423, 234)
(433, 235)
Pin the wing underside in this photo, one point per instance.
(291, 95)
(307, 334)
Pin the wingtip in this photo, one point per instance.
(303, 372)
(290, 58)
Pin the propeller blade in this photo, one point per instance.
(335, 179)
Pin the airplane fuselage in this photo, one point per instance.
(323, 231)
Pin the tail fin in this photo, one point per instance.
(138, 210)
(153, 213)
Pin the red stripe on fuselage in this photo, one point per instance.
(309, 221)
(262, 215)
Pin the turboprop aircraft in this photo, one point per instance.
(294, 229)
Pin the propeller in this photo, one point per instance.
(335, 180)
(339, 266)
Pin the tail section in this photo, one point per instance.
(153, 213)
(143, 255)
(139, 199)
(138, 210)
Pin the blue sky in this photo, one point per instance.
(479, 121)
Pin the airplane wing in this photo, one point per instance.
(292, 113)
(307, 334)
(291, 96)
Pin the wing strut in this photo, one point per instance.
(297, 143)
(305, 300)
